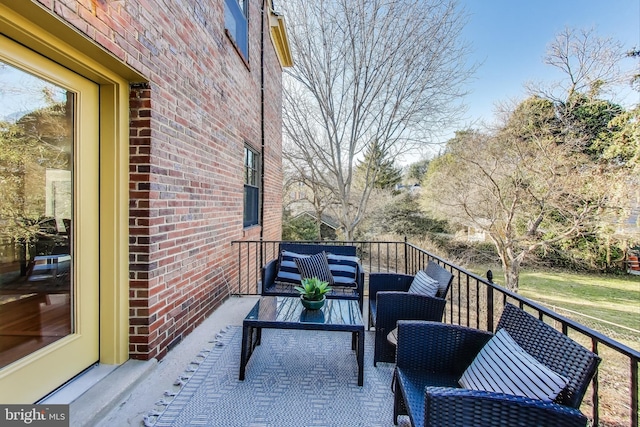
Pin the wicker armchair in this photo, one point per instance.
(390, 302)
(432, 356)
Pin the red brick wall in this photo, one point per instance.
(188, 128)
(273, 148)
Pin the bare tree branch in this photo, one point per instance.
(367, 72)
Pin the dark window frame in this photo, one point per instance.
(251, 208)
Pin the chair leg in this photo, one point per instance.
(396, 403)
(399, 407)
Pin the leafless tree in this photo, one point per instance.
(385, 72)
(589, 65)
(519, 185)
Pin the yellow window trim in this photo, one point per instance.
(33, 26)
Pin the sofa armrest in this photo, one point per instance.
(438, 347)
(388, 282)
(268, 274)
(461, 407)
(360, 285)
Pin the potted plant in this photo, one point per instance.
(312, 292)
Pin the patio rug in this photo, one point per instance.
(294, 378)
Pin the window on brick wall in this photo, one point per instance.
(251, 187)
(236, 24)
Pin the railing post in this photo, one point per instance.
(262, 260)
(239, 268)
(490, 308)
(406, 256)
(596, 389)
(635, 413)
(490, 302)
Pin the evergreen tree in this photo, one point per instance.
(417, 171)
(387, 175)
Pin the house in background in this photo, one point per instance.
(412, 189)
(329, 226)
(301, 202)
(161, 127)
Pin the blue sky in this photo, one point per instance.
(510, 38)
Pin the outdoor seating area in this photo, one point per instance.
(444, 374)
(432, 335)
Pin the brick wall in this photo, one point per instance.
(189, 124)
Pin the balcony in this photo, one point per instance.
(473, 301)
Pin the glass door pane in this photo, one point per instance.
(36, 213)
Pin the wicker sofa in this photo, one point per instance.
(389, 302)
(271, 285)
(432, 356)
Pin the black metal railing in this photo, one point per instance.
(477, 302)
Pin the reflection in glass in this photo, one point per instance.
(36, 206)
(290, 310)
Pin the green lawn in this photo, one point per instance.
(612, 298)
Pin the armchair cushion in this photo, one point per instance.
(503, 366)
(344, 269)
(423, 284)
(443, 277)
(315, 266)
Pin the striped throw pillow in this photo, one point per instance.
(288, 271)
(315, 266)
(423, 284)
(344, 269)
(503, 366)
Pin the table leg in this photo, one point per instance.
(360, 355)
(245, 353)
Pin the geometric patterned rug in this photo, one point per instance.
(294, 378)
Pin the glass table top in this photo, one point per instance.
(273, 309)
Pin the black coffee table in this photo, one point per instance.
(288, 313)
